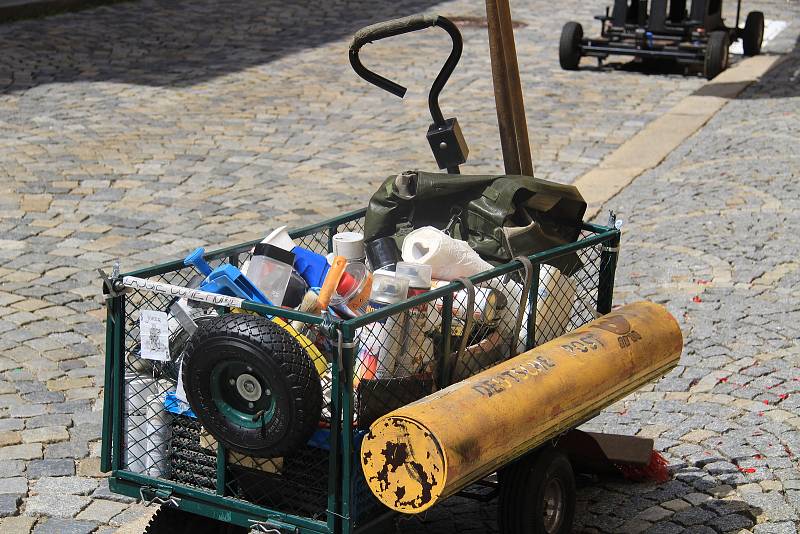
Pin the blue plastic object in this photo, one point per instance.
(311, 266)
(196, 260)
(174, 405)
(225, 279)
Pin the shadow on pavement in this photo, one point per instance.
(781, 81)
(786, 74)
(164, 43)
(648, 67)
(690, 499)
(611, 504)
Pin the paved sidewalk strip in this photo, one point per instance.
(649, 147)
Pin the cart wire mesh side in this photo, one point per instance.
(372, 365)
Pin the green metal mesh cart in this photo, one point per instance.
(160, 453)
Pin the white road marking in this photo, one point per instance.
(771, 30)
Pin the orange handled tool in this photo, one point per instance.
(331, 283)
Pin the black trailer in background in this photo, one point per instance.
(693, 34)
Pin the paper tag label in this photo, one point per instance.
(154, 335)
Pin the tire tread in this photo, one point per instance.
(295, 365)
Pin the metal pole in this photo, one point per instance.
(502, 97)
(515, 89)
(738, 14)
(608, 266)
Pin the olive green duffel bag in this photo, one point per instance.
(499, 216)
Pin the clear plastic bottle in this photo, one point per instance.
(353, 291)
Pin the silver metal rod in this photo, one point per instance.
(143, 284)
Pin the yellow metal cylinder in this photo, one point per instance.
(428, 450)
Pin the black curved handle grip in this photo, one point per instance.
(390, 28)
(394, 27)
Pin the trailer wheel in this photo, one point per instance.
(569, 49)
(251, 385)
(168, 520)
(753, 33)
(716, 54)
(538, 494)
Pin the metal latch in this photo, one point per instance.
(158, 496)
(112, 285)
(268, 527)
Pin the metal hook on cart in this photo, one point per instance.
(444, 135)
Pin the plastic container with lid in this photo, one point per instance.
(353, 290)
(350, 245)
(382, 253)
(270, 270)
(387, 288)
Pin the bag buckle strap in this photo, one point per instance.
(455, 216)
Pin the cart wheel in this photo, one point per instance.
(538, 495)
(168, 520)
(716, 54)
(753, 33)
(251, 385)
(569, 49)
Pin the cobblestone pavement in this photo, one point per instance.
(722, 210)
(140, 130)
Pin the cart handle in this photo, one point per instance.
(391, 28)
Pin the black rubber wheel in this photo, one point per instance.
(169, 520)
(251, 385)
(716, 54)
(537, 494)
(753, 33)
(569, 48)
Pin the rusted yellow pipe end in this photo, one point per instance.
(430, 449)
(390, 454)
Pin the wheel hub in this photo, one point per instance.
(553, 505)
(248, 387)
(241, 392)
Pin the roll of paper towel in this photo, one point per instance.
(450, 258)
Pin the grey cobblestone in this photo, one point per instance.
(65, 485)
(9, 505)
(15, 485)
(101, 511)
(55, 468)
(62, 526)
(11, 468)
(55, 505)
